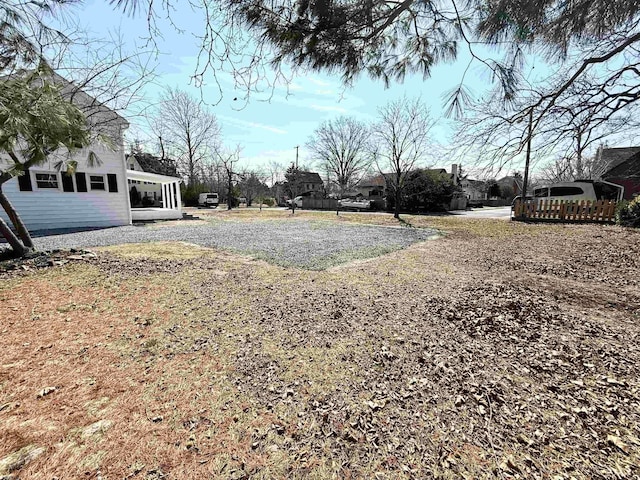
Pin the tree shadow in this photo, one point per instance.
(404, 223)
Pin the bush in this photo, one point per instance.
(190, 194)
(628, 213)
(268, 201)
(426, 191)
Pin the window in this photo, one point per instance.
(564, 191)
(81, 182)
(540, 192)
(112, 180)
(47, 180)
(604, 191)
(67, 183)
(24, 182)
(97, 182)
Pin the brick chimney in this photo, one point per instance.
(454, 173)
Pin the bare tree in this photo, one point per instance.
(252, 185)
(276, 171)
(229, 160)
(400, 139)
(496, 136)
(569, 169)
(189, 128)
(340, 146)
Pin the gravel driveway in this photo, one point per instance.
(307, 244)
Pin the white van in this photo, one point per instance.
(210, 200)
(579, 190)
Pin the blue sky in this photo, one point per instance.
(270, 130)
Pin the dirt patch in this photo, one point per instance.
(455, 358)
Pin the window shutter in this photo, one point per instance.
(24, 182)
(67, 182)
(112, 179)
(81, 181)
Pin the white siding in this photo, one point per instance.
(47, 208)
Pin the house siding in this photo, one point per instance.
(631, 186)
(627, 174)
(47, 209)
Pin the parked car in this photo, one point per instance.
(519, 197)
(209, 199)
(355, 204)
(297, 200)
(579, 190)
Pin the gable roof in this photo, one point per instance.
(98, 114)
(152, 164)
(374, 181)
(309, 177)
(629, 168)
(610, 158)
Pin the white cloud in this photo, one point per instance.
(263, 159)
(325, 91)
(328, 108)
(247, 125)
(318, 82)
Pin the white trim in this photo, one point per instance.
(34, 180)
(104, 182)
(151, 177)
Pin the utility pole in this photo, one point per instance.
(297, 146)
(525, 181)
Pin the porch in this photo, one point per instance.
(153, 196)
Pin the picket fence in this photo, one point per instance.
(565, 210)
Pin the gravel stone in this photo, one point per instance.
(307, 244)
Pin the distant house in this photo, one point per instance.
(310, 182)
(510, 184)
(474, 190)
(376, 187)
(622, 167)
(373, 187)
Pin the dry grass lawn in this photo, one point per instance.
(500, 350)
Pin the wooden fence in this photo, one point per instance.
(566, 210)
(319, 203)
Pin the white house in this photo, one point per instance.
(48, 198)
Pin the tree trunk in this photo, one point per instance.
(396, 210)
(17, 247)
(16, 220)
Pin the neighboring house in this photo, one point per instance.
(511, 184)
(374, 187)
(474, 190)
(310, 182)
(622, 167)
(46, 198)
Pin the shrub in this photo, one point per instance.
(628, 213)
(268, 201)
(190, 194)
